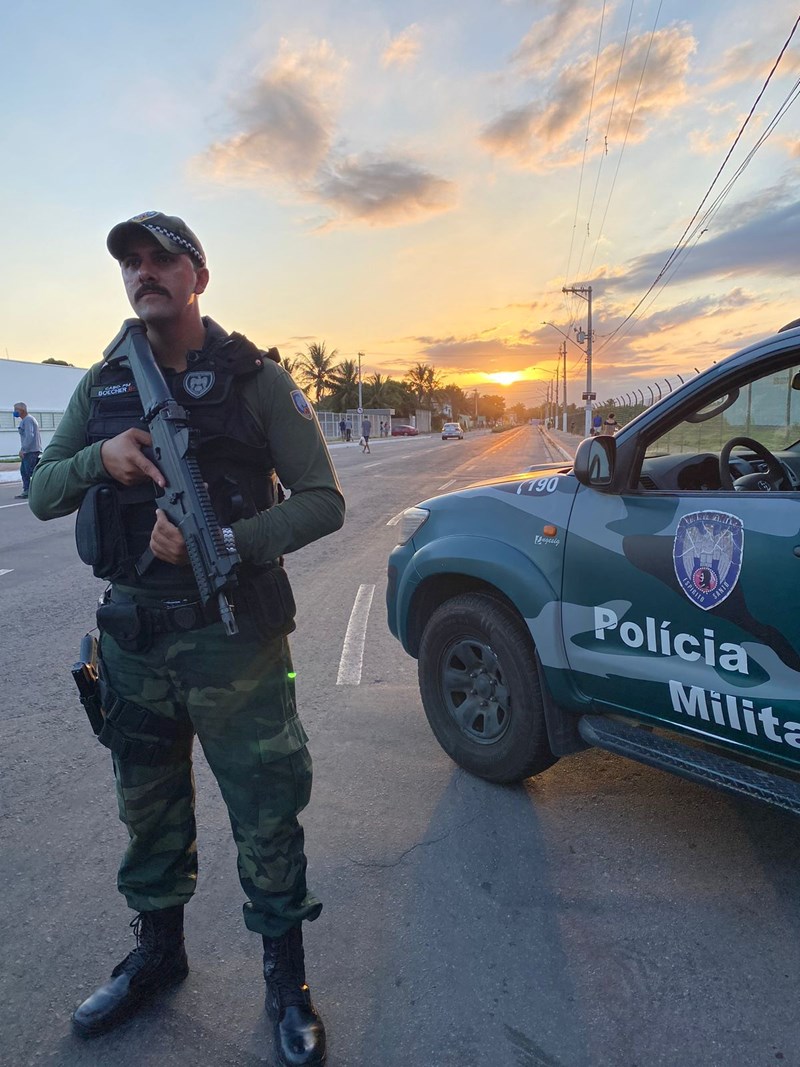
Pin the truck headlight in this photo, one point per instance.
(412, 520)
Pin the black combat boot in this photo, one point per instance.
(299, 1031)
(157, 962)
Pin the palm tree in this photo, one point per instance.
(343, 382)
(291, 364)
(417, 379)
(424, 382)
(316, 367)
(378, 391)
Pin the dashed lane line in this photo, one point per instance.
(446, 485)
(7, 570)
(353, 649)
(22, 504)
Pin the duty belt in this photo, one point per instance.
(168, 616)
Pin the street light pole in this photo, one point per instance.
(360, 403)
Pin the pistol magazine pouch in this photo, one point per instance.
(100, 532)
(128, 623)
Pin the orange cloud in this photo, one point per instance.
(543, 133)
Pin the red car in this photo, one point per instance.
(404, 431)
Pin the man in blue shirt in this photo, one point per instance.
(30, 446)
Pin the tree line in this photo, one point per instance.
(334, 387)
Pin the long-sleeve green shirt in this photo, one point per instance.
(315, 506)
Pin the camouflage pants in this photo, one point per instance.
(237, 695)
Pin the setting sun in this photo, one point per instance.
(505, 377)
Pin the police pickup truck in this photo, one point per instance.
(644, 600)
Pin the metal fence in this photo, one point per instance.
(329, 422)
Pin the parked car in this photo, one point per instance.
(650, 584)
(404, 431)
(452, 430)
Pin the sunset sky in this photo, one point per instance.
(413, 180)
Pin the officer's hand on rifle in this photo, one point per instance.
(167, 543)
(125, 461)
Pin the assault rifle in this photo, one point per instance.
(185, 498)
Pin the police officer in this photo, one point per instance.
(169, 671)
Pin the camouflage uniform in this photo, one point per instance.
(238, 697)
(235, 693)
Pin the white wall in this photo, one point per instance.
(43, 387)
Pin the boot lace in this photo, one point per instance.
(146, 943)
(284, 969)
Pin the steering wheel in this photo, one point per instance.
(771, 480)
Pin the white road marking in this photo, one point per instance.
(367, 466)
(446, 484)
(353, 648)
(394, 521)
(8, 570)
(22, 504)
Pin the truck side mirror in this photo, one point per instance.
(594, 462)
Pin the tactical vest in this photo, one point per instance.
(230, 447)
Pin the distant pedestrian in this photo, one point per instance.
(597, 425)
(30, 447)
(342, 428)
(610, 426)
(348, 431)
(366, 430)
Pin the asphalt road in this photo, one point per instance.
(602, 914)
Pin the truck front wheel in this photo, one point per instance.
(480, 689)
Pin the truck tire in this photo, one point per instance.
(480, 689)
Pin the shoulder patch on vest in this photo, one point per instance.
(301, 404)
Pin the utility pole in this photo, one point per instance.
(586, 292)
(476, 407)
(563, 351)
(360, 402)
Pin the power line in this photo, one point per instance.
(681, 243)
(585, 142)
(604, 153)
(710, 213)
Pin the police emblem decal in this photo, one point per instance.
(198, 382)
(144, 215)
(707, 553)
(301, 404)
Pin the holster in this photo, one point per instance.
(86, 678)
(166, 740)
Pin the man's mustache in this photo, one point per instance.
(144, 289)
